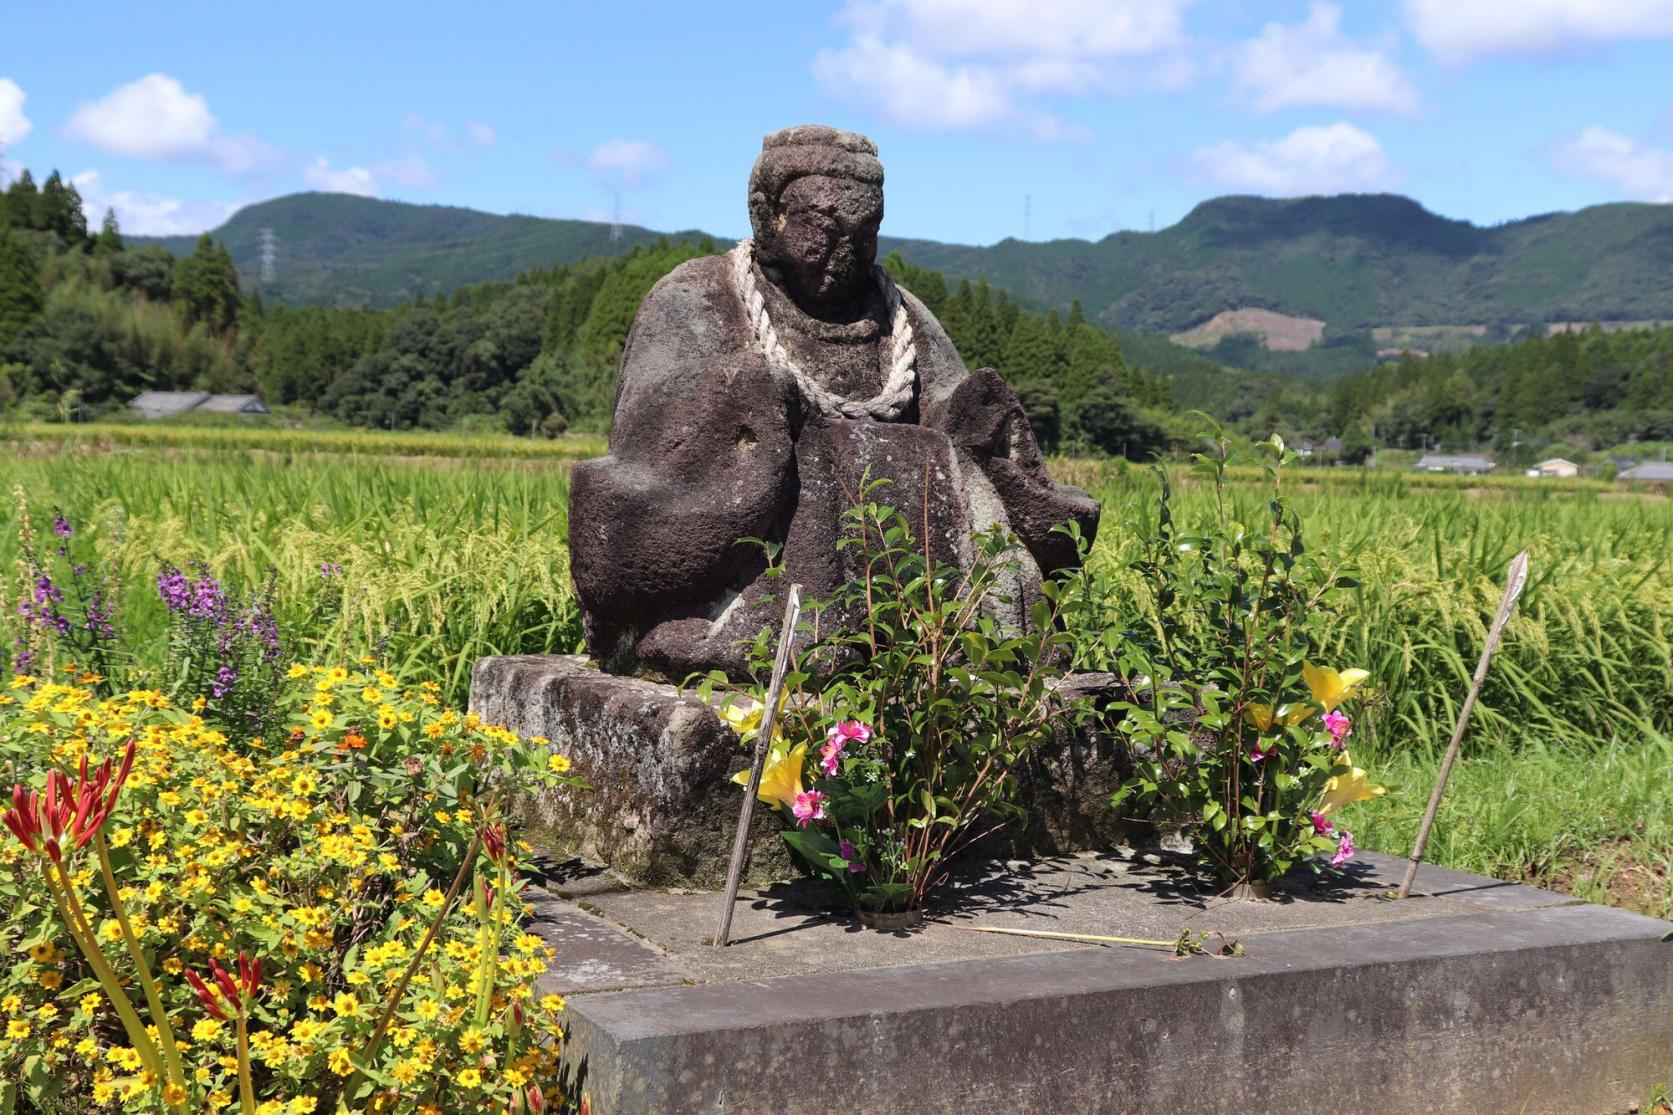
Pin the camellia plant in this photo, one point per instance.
(1237, 735)
(898, 737)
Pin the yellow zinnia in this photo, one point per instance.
(1330, 688)
(1344, 789)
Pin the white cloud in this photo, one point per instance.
(481, 134)
(1331, 158)
(1637, 171)
(144, 214)
(411, 171)
(349, 180)
(155, 117)
(1314, 64)
(1458, 30)
(628, 163)
(912, 90)
(13, 124)
(955, 65)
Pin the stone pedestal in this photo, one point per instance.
(661, 810)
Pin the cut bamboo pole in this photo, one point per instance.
(1514, 580)
(763, 741)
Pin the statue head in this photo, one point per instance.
(815, 204)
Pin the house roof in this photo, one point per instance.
(1455, 460)
(1556, 462)
(162, 404)
(231, 404)
(1649, 470)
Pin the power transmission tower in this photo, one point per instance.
(269, 255)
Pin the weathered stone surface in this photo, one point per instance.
(726, 428)
(661, 810)
(1343, 1001)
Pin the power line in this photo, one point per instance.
(269, 255)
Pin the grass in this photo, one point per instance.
(454, 549)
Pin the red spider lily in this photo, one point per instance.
(493, 839)
(235, 993)
(43, 821)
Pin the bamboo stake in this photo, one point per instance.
(1514, 580)
(763, 741)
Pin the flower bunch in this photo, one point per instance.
(1238, 735)
(310, 920)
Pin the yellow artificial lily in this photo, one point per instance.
(1265, 716)
(1330, 688)
(1344, 789)
(743, 716)
(781, 778)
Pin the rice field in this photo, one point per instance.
(447, 556)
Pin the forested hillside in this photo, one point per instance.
(1355, 262)
(88, 320)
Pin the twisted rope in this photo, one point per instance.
(902, 381)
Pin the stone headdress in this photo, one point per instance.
(802, 151)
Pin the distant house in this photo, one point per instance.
(167, 404)
(1332, 447)
(1652, 472)
(1556, 466)
(1468, 464)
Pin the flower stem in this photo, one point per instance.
(70, 912)
(246, 1086)
(153, 998)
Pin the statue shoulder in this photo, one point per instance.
(939, 364)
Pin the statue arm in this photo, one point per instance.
(701, 457)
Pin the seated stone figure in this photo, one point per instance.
(757, 390)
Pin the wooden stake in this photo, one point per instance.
(1514, 580)
(763, 741)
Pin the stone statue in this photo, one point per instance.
(757, 389)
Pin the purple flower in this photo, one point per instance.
(60, 525)
(1321, 824)
(173, 587)
(808, 806)
(1257, 754)
(852, 854)
(329, 569)
(225, 678)
(1339, 726)
(1344, 848)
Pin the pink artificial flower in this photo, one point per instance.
(1322, 825)
(1344, 849)
(1339, 726)
(836, 739)
(848, 852)
(809, 806)
(1256, 754)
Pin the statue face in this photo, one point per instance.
(825, 238)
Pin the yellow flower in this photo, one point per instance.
(469, 1078)
(339, 1062)
(1264, 717)
(558, 764)
(781, 780)
(371, 695)
(346, 1005)
(52, 979)
(743, 714)
(387, 718)
(17, 1029)
(297, 671)
(206, 1029)
(1330, 688)
(321, 718)
(427, 1010)
(1344, 789)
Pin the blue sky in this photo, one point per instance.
(1037, 118)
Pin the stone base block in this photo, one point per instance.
(1471, 996)
(661, 810)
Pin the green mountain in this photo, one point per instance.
(1356, 262)
(342, 250)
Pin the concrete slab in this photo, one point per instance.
(1474, 996)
